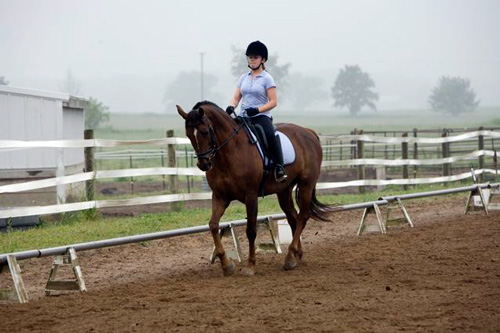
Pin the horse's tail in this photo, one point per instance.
(317, 210)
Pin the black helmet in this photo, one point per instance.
(257, 49)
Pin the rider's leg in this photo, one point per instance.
(274, 146)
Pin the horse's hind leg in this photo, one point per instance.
(294, 250)
(286, 203)
(218, 208)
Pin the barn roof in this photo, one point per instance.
(37, 93)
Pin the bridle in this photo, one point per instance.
(212, 151)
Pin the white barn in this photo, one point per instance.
(28, 115)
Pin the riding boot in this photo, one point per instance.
(279, 171)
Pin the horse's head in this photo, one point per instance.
(199, 130)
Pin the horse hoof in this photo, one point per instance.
(290, 264)
(229, 269)
(247, 271)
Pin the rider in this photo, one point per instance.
(257, 92)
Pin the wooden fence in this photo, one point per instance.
(450, 153)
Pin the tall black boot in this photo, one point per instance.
(279, 171)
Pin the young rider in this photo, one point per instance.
(257, 92)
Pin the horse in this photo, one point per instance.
(234, 170)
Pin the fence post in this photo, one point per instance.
(340, 151)
(415, 154)
(446, 153)
(353, 148)
(187, 166)
(131, 167)
(172, 163)
(360, 146)
(162, 154)
(88, 134)
(386, 154)
(404, 152)
(480, 146)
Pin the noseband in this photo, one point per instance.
(210, 153)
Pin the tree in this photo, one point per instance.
(239, 66)
(352, 89)
(96, 114)
(305, 90)
(3, 82)
(185, 90)
(453, 95)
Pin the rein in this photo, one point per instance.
(210, 153)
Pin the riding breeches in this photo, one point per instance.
(274, 147)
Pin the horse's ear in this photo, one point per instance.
(181, 111)
(201, 112)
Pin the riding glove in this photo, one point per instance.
(252, 112)
(230, 110)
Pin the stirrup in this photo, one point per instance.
(283, 176)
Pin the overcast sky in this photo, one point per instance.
(125, 53)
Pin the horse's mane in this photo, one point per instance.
(202, 103)
(219, 112)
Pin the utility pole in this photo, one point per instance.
(204, 181)
(201, 55)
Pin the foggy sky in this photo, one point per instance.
(125, 53)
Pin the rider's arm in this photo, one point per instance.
(236, 98)
(272, 100)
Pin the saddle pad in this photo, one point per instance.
(286, 148)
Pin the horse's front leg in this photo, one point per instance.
(251, 203)
(218, 208)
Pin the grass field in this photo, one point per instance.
(148, 126)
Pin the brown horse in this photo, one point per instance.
(234, 170)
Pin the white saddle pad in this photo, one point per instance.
(286, 148)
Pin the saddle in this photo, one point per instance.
(256, 135)
(259, 137)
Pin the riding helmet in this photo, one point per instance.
(257, 49)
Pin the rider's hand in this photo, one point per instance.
(230, 110)
(252, 112)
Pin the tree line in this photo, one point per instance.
(353, 88)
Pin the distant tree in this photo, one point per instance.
(305, 90)
(96, 114)
(3, 82)
(185, 90)
(352, 89)
(71, 85)
(453, 95)
(239, 65)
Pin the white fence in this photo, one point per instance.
(359, 162)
